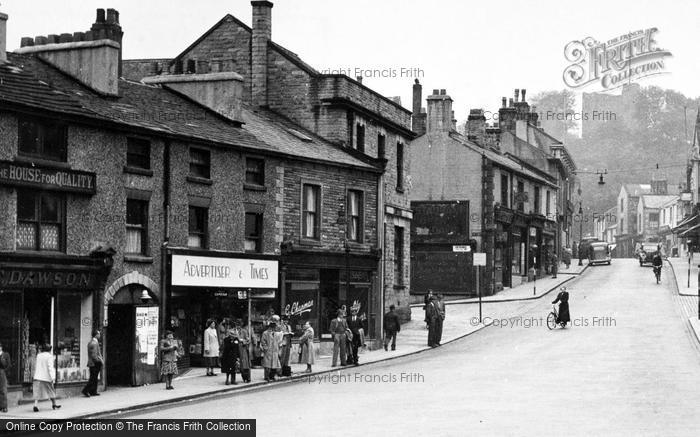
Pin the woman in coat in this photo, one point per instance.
(306, 343)
(211, 347)
(4, 366)
(44, 377)
(243, 351)
(168, 361)
(229, 356)
(270, 344)
(563, 299)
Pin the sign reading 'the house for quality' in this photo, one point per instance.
(30, 175)
(204, 271)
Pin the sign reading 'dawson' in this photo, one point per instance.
(28, 175)
(204, 271)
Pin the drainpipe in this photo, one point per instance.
(381, 236)
(164, 281)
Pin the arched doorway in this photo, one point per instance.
(132, 316)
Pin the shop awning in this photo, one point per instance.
(689, 230)
(685, 224)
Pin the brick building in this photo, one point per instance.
(130, 206)
(335, 107)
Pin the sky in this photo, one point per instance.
(477, 51)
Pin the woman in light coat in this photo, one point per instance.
(44, 377)
(306, 343)
(211, 347)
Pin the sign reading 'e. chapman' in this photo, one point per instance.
(29, 175)
(204, 271)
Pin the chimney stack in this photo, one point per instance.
(503, 102)
(359, 79)
(3, 37)
(108, 28)
(262, 34)
(439, 112)
(476, 126)
(418, 116)
(515, 95)
(522, 91)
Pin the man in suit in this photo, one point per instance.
(355, 325)
(338, 328)
(95, 363)
(392, 325)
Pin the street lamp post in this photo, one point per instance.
(580, 233)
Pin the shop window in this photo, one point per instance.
(399, 166)
(255, 171)
(548, 207)
(302, 297)
(200, 163)
(253, 232)
(138, 153)
(381, 146)
(43, 139)
(355, 215)
(398, 255)
(10, 332)
(311, 211)
(136, 227)
(538, 209)
(72, 336)
(360, 137)
(198, 227)
(40, 220)
(504, 191)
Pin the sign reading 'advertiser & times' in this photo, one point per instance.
(204, 271)
(19, 174)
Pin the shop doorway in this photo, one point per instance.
(119, 346)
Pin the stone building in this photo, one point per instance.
(337, 108)
(139, 207)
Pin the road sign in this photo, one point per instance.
(479, 258)
(461, 248)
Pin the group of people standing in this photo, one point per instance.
(348, 336)
(434, 317)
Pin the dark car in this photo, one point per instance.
(646, 253)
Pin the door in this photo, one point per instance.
(120, 344)
(145, 345)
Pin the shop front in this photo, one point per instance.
(316, 286)
(224, 287)
(50, 299)
(503, 256)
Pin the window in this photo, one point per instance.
(198, 224)
(504, 190)
(40, 220)
(653, 220)
(355, 215)
(538, 210)
(138, 153)
(622, 206)
(311, 212)
(398, 255)
(200, 163)
(360, 137)
(253, 232)
(255, 171)
(521, 196)
(42, 139)
(381, 146)
(399, 166)
(136, 226)
(548, 207)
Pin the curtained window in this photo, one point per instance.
(311, 211)
(355, 210)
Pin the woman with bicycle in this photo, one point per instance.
(563, 300)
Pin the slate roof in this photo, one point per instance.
(30, 82)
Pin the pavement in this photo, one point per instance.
(683, 275)
(462, 319)
(627, 365)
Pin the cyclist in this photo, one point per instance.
(657, 262)
(563, 299)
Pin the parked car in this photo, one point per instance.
(646, 253)
(599, 253)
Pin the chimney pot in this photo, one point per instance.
(523, 94)
(100, 16)
(510, 102)
(52, 39)
(443, 92)
(89, 35)
(359, 79)
(417, 82)
(26, 41)
(503, 102)
(78, 36)
(65, 37)
(436, 92)
(515, 95)
(112, 16)
(40, 40)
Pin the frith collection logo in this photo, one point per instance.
(618, 61)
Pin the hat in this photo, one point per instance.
(275, 318)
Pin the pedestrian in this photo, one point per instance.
(555, 265)
(168, 360)
(286, 345)
(426, 300)
(338, 329)
(211, 347)
(270, 344)
(440, 302)
(5, 364)
(392, 326)
(95, 363)
(230, 356)
(355, 326)
(44, 378)
(306, 343)
(243, 351)
(563, 298)
(433, 323)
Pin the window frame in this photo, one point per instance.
(360, 131)
(194, 166)
(203, 234)
(360, 217)
(42, 126)
(317, 213)
(399, 243)
(140, 142)
(381, 145)
(258, 239)
(258, 176)
(400, 166)
(505, 183)
(37, 220)
(142, 227)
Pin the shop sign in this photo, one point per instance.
(146, 334)
(204, 271)
(47, 279)
(30, 175)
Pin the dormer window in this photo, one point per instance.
(42, 139)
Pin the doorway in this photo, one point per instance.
(120, 344)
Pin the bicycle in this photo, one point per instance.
(552, 319)
(657, 273)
